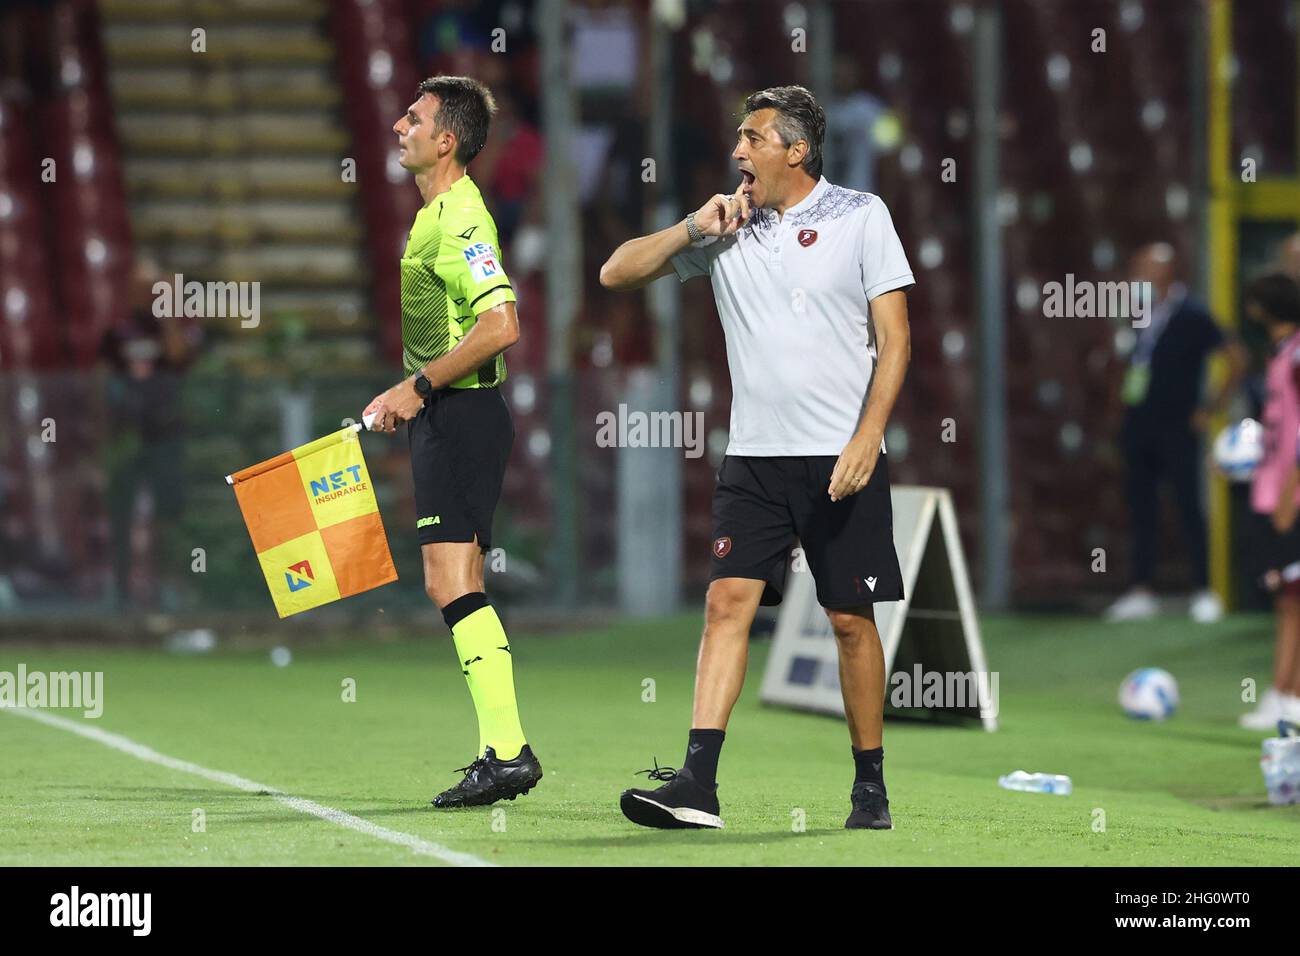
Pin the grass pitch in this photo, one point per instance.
(1182, 793)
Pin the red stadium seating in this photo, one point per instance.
(28, 337)
(93, 238)
(377, 70)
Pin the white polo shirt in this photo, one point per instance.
(794, 297)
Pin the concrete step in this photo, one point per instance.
(268, 214)
(195, 137)
(325, 312)
(195, 89)
(212, 11)
(175, 232)
(264, 169)
(293, 44)
(291, 123)
(193, 79)
(223, 179)
(200, 262)
(232, 156)
(180, 99)
(282, 259)
(227, 189)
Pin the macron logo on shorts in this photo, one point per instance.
(871, 582)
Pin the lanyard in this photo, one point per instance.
(1150, 336)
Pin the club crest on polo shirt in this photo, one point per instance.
(807, 237)
(482, 259)
(721, 547)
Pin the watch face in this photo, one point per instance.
(422, 386)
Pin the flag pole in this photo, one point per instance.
(365, 423)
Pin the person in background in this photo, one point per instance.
(852, 134)
(1273, 302)
(1288, 257)
(510, 166)
(147, 357)
(1163, 423)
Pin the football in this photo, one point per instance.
(1149, 694)
(1239, 449)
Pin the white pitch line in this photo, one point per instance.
(128, 746)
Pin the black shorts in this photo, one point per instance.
(761, 505)
(1273, 551)
(460, 443)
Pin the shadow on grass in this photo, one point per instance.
(1227, 737)
(647, 839)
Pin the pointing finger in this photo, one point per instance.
(742, 202)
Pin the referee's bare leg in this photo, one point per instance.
(451, 569)
(862, 673)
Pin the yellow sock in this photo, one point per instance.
(485, 660)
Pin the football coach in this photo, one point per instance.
(810, 282)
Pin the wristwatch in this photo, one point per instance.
(423, 387)
(692, 231)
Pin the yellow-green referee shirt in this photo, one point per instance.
(451, 272)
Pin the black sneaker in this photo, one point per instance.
(680, 804)
(489, 779)
(870, 808)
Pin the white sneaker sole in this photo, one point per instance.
(685, 814)
(1122, 617)
(1253, 721)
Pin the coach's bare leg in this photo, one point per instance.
(862, 673)
(452, 569)
(724, 650)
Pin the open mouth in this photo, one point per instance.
(748, 178)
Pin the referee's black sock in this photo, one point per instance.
(869, 766)
(702, 753)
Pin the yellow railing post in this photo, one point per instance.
(1222, 226)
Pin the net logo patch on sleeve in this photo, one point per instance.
(482, 259)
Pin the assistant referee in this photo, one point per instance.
(458, 318)
(809, 280)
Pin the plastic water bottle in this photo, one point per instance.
(1281, 764)
(1057, 783)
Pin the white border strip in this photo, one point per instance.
(139, 751)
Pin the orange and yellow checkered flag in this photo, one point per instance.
(315, 523)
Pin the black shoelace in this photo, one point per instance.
(659, 773)
(864, 792)
(472, 767)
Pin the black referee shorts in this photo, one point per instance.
(460, 443)
(761, 505)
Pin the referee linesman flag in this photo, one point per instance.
(315, 523)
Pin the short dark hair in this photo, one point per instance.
(798, 117)
(1276, 294)
(465, 109)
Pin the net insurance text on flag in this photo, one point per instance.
(315, 523)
